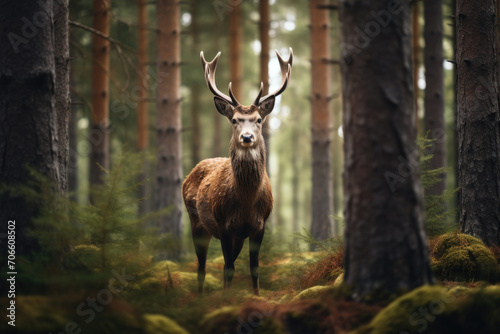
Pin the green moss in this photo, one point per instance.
(157, 323)
(160, 267)
(151, 284)
(473, 262)
(436, 310)
(189, 282)
(453, 239)
(312, 292)
(413, 312)
(221, 320)
(339, 280)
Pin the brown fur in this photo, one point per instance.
(230, 198)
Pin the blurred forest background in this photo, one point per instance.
(204, 132)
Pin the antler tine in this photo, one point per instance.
(286, 73)
(256, 102)
(233, 98)
(210, 68)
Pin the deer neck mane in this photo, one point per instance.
(248, 166)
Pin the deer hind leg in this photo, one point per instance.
(201, 240)
(254, 248)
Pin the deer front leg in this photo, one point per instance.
(254, 247)
(227, 250)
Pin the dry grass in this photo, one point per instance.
(325, 271)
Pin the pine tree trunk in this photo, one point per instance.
(478, 123)
(235, 45)
(168, 127)
(416, 55)
(99, 137)
(322, 200)
(385, 241)
(195, 91)
(29, 122)
(434, 123)
(264, 25)
(62, 98)
(142, 106)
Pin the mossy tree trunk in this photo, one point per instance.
(478, 121)
(385, 242)
(322, 198)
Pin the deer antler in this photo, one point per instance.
(286, 73)
(210, 68)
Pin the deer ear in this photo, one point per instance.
(224, 107)
(266, 106)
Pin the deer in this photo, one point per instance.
(230, 199)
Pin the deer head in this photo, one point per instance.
(247, 120)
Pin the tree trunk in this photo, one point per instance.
(434, 123)
(99, 137)
(142, 106)
(264, 25)
(235, 45)
(322, 200)
(386, 245)
(168, 127)
(478, 123)
(416, 55)
(296, 173)
(29, 121)
(62, 98)
(195, 91)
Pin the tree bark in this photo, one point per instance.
(385, 241)
(416, 55)
(142, 105)
(434, 123)
(62, 98)
(322, 200)
(195, 91)
(99, 137)
(478, 123)
(29, 122)
(168, 128)
(264, 25)
(235, 45)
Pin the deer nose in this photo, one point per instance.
(247, 138)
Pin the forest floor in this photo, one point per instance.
(301, 292)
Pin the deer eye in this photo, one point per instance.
(259, 120)
(234, 121)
